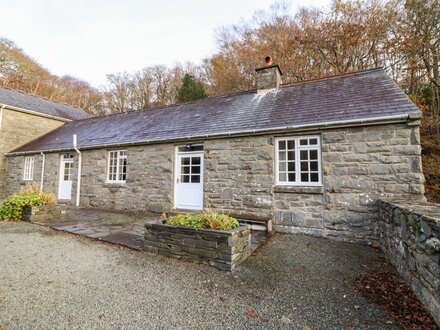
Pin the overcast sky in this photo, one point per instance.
(91, 38)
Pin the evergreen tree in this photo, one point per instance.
(191, 89)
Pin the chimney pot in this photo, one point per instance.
(268, 76)
(268, 60)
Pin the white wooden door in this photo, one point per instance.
(66, 172)
(189, 181)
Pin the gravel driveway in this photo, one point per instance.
(54, 280)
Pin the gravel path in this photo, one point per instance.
(55, 280)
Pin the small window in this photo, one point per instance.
(298, 161)
(117, 166)
(28, 168)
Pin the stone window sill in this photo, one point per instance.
(298, 190)
(114, 186)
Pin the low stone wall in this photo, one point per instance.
(410, 237)
(221, 249)
(44, 213)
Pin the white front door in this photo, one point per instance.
(189, 181)
(66, 171)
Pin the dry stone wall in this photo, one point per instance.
(410, 237)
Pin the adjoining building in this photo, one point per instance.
(23, 118)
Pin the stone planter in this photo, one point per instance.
(44, 213)
(221, 249)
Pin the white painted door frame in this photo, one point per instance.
(65, 177)
(188, 195)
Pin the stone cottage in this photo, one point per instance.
(313, 156)
(24, 117)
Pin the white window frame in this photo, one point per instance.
(119, 158)
(29, 163)
(298, 148)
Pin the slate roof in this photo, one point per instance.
(352, 97)
(37, 104)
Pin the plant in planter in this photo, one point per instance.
(205, 220)
(12, 206)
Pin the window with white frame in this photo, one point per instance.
(117, 166)
(28, 168)
(298, 161)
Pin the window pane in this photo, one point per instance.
(314, 177)
(291, 155)
(282, 166)
(282, 177)
(186, 161)
(196, 160)
(303, 155)
(304, 166)
(291, 144)
(185, 169)
(291, 166)
(313, 154)
(282, 145)
(303, 142)
(291, 177)
(304, 177)
(195, 169)
(195, 178)
(184, 178)
(313, 166)
(282, 155)
(313, 141)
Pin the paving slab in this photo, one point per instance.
(126, 229)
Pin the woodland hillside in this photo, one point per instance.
(402, 36)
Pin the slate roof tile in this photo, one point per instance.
(37, 104)
(357, 96)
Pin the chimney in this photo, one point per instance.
(268, 76)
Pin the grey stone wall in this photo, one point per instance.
(410, 237)
(44, 213)
(239, 176)
(221, 249)
(359, 166)
(15, 171)
(149, 184)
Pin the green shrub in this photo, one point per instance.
(12, 206)
(206, 220)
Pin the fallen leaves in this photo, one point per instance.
(386, 290)
(251, 314)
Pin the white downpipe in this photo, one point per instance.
(78, 185)
(43, 161)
